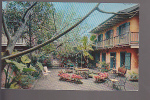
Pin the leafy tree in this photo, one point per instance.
(22, 27)
(85, 47)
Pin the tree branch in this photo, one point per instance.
(102, 11)
(54, 19)
(50, 40)
(5, 28)
(18, 33)
(23, 18)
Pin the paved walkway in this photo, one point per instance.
(51, 82)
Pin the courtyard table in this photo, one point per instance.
(82, 70)
(113, 82)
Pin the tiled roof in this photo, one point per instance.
(113, 20)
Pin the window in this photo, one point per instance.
(112, 59)
(125, 60)
(103, 57)
(123, 29)
(97, 57)
(109, 34)
(100, 37)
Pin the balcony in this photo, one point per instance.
(127, 39)
(20, 42)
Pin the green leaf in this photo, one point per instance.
(25, 59)
(5, 71)
(93, 37)
(20, 66)
(28, 70)
(91, 57)
(14, 86)
(33, 68)
(40, 65)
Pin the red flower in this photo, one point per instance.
(74, 76)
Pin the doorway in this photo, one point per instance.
(113, 60)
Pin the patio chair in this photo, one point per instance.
(44, 74)
(121, 83)
(46, 69)
(110, 77)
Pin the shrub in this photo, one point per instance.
(133, 76)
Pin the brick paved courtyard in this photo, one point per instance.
(51, 82)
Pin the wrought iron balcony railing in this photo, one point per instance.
(128, 38)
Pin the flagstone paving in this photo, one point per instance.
(51, 82)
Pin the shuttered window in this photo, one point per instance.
(103, 57)
(109, 34)
(117, 31)
(125, 60)
(100, 37)
(124, 28)
(128, 60)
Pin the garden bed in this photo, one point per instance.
(70, 78)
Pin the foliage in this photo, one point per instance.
(103, 63)
(40, 65)
(20, 66)
(93, 37)
(45, 60)
(15, 86)
(133, 76)
(24, 80)
(85, 47)
(103, 66)
(25, 59)
(68, 71)
(71, 40)
(24, 76)
(42, 21)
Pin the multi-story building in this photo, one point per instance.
(118, 40)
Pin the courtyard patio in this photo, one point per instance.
(52, 82)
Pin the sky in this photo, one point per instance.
(82, 9)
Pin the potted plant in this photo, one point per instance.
(133, 76)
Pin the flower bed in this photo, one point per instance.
(70, 78)
(104, 75)
(101, 77)
(76, 78)
(64, 77)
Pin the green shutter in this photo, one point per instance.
(121, 59)
(128, 60)
(101, 37)
(111, 33)
(106, 35)
(103, 57)
(117, 31)
(98, 39)
(127, 27)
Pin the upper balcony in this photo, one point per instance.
(127, 39)
(20, 42)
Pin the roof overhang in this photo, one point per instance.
(115, 19)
